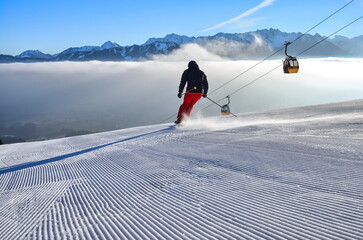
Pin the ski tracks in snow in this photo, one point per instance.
(255, 181)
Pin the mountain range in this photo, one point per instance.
(249, 45)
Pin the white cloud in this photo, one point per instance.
(188, 52)
(217, 50)
(264, 4)
(101, 96)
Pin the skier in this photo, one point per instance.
(196, 88)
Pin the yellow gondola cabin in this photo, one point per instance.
(291, 65)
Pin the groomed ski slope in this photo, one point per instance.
(284, 174)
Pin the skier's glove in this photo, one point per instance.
(179, 95)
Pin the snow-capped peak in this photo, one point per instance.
(88, 48)
(175, 38)
(109, 45)
(33, 54)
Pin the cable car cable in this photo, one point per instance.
(273, 55)
(277, 51)
(273, 69)
(324, 20)
(330, 35)
(244, 86)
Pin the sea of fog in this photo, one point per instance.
(49, 100)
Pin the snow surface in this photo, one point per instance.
(284, 174)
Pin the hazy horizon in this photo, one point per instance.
(50, 100)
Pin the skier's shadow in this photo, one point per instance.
(69, 155)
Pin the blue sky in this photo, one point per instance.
(54, 25)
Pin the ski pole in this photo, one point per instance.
(194, 88)
(220, 106)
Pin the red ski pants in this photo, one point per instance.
(189, 100)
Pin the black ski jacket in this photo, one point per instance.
(195, 79)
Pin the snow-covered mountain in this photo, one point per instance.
(284, 174)
(34, 54)
(178, 39)
(109, 45)
(261, 43)
(247, 45)
(113, 52)
(354, 45)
